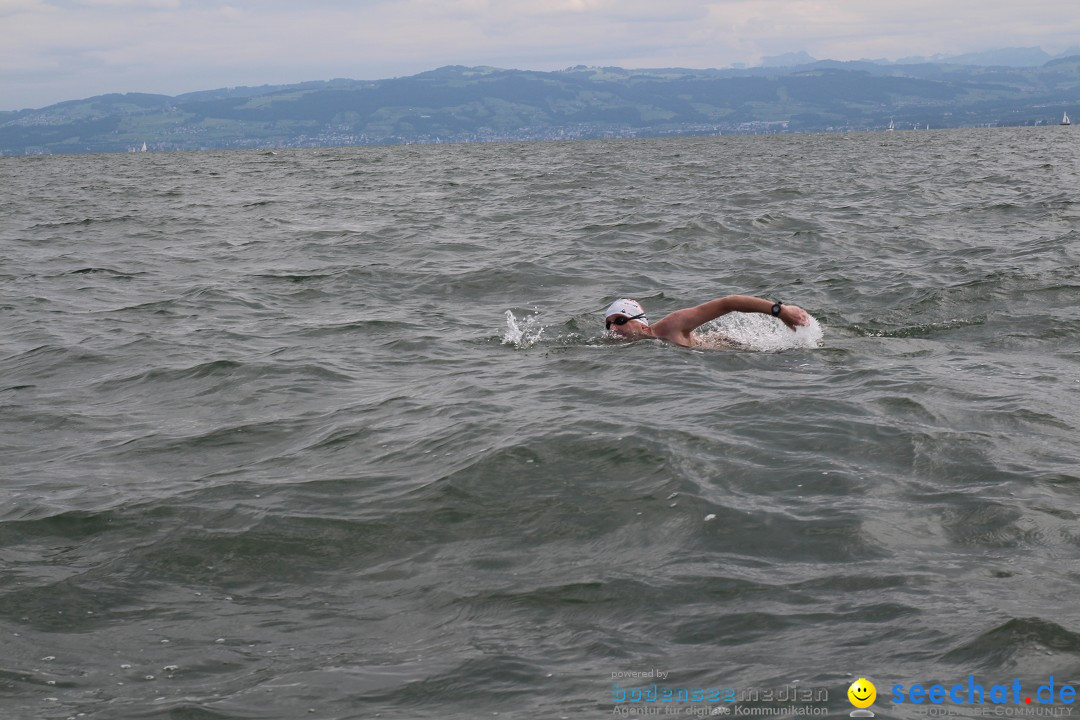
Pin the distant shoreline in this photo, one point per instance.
(456, 105)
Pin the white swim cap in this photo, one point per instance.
(627, 307)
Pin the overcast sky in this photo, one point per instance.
(54, 50)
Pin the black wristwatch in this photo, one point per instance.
(776, 308)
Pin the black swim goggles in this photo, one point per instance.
(621, 320)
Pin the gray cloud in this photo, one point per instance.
(52, 50)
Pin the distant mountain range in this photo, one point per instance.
(462, 104)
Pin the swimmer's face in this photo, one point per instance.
(624, 325)
(862, 693)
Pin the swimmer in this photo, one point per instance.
(626, 318)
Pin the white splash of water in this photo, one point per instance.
(523, 333)
(755, 331)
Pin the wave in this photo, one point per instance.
(1012, 644)
(754, 331)
(103, 271)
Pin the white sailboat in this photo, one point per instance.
(1065, 119)
(891, 127)
(143, 147)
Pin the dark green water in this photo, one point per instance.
(338, 434)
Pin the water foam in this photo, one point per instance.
(754, 331)
(523, 333)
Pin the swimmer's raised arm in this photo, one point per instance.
(626, 317)
(682, 322)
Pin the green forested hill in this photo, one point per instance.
(458, 104)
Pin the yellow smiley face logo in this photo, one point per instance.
(862, 693)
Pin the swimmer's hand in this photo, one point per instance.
(793, 316)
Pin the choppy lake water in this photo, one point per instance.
(338, 434)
